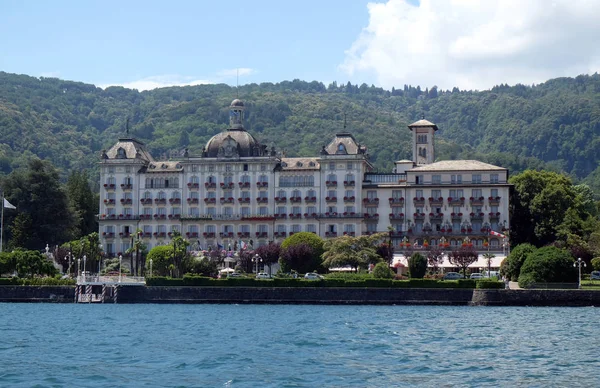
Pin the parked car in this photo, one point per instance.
(452, 276)
(263, 275)
(595, 275)
(235, 275)
(313, 276)
(476, 275)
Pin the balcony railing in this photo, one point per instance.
(262, 200)
(126, 201)
(244, 184)
(295, 215)
(396, 216)
(310, 199)
(228, 185)
(280, 199)
(109, 201)
(226, 234)
(126, 186)
(209, 234)
(295, 199)
(192, 201)
(210, 200)
(330, 199)
(476, 200)
(210, 185)
(160, 201)
(397, 201)
(262, 234)
(262, 184)
(226, 200)
(331, 183)
(350, 199)
(109, 186)
(192, 234)
(368, 216)
(371, 201)
(436, 216)
(349, 183)
(174, 201)
(193, 185)
(146, 201)
(244, 200)
(456, 216)
(330, 234)
(243, 234)
(456, 201)
(280, 234)
(436, 200)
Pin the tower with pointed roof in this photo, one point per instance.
(423, 148)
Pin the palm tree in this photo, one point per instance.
(489, 256)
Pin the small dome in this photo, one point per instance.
(237, 102)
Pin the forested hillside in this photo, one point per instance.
(554, 125)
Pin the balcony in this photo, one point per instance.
(126, 186)
(127, 217)
(436, 201)
(280, 199)
(243, 234)
(244, 200)
(476, 200)
(226, 234)
(350, 215)
(280, 215)
(126, 201)
(330, 214)
(209, 234)
(331, 183)
(192, 234)
(146, 201)
(330, 234)
(419, 216)
(160, 216)
(350, 234)
(160, 234)
(261, 234)
(350, 199)
(494, 200)
(397, 201)
(310, 199)
(262, 184)
(109, 186)
(372, 217)
(456, 201)
(226, 185)
(174, 216)
(436, 216)
(160, 201)
(419, 201)
(124, 234)
(109, 201)
(349, 183)
(108, 234)
(145, 216)
(296, 199)
(280, 234)
(192, 201)
(210, 200)
(262, 200)
(446, 230)
(244, 185)
(147, 234)
(494, 215)
(310, 215)
(396, 216)
(174, 201)
(371, 201)
(210, 185)
(193, 185)
(226, 200)
(477, 216)
(330, 199)
(295, 215)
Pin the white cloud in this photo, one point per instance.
(475, 44)
(163, 81)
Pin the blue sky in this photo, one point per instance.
(144, 44)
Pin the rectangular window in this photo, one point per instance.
(476, 178)
(311, 209)
(263, 210)
(332, 166)
(349, 165)
(459, 193)
(419, 193)
(493, 178)
(494, 193)
(349, 193)
(371, 194)
(419, 179)
(436, 179)
(453, 179)
(476, 193)
(211, 211)
(436, 194)
(245, 166)
(281, 209)
(396, 194)
(459, 179)
(349, 209)
(245, 211)
(371, 228)
(311, 228)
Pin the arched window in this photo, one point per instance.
(341, 149)
(121, 153)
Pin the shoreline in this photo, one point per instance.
(313, 296)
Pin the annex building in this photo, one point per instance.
(237, 190)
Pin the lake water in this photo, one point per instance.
(54, 345)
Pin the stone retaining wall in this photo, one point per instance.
(59, 294)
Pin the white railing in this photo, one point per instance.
(81, 279)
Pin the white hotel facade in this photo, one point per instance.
(238, 190)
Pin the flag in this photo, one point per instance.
(497, 234)
(8, 205)
(219, 246)
(243, 245)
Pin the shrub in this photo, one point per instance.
(313, 241)
(547, 265)
(164, 281)
(483, 284)
(194, 280)
(511, 266)
(334, 282)
(378, 282)
(417, 265)
(466, 283)
(382, 271)
(596, 263)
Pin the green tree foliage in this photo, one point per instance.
(417, 265)
(161, 257)
(300, 258)
(356, 252)
(83, 202)
(548, 264)
(28, 264)
(44, 216)
(511, 266)
(382, 271)
(596, 263)
(312, 240)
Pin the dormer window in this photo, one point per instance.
(299, 164)
(341, 149)
(121, 154)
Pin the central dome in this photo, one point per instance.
(233, 143)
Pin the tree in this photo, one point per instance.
(42, 205)
(548, 264)
(83, 202)
(298, 257)
(180, 256)
(161, 256)
(356, 252)
(435, 257)
(269, 253)
(310, 239)
(515, 260)
(382, 271)
(31, 263)
(463, 258)
(488, 257)
(417, 266)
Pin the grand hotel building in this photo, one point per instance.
(239, 190)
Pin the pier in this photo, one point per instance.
(102, 289)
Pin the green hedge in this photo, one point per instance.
(200, 281)
(36, 282)
(489, 284)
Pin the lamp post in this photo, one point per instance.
(100, 261)
(84, 261)
(579, 263)
(257, 259)
(78, 267)
(120, 264)
(150, 267)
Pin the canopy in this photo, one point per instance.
(480, 263)
(227, 270)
